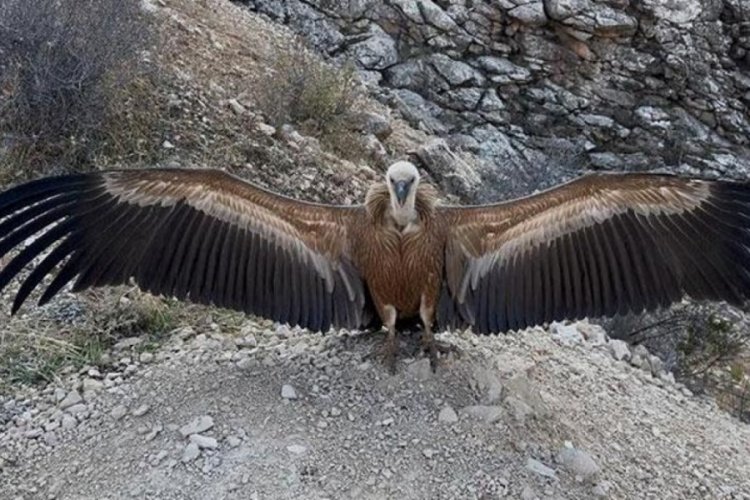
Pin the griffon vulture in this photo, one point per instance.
(600, 245)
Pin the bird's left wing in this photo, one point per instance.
(600, 245)
(201, 235)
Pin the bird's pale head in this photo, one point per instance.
(402, 178)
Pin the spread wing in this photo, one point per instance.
(200, 235)
(598, 246)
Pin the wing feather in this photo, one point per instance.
(200, 235)
(598, 246)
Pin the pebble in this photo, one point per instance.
(578, 462)
(77, 409)
(146, 357)
(73, 398)
(233, 441)
(619, 349)
(69, 422)
(448, 415)
(200, 424)
(428, 453)
(192, 451)
(488, 414)
(141, 410)
(538, 467)
(288, 392)
(204, 442)
(92, 385)
(118, 412)
(296, 449)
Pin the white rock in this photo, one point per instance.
(141, 410)
(77, 409)
(118, 412)
(266, 129)
(192, 451)
(619, 349)
(146, 357)
(204, 442)
(578, 462)
(69, 422)
(448, 415)
(428, 453)
(73, 398)
(538, 467)
(288, 392)
(200, 424)
(488, 414)
(566, 334)
(296, 449)
(92, 385)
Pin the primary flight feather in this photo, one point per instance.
(600, 245)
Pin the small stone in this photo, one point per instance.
(578, 462)
(233, 441)
(236, 107)
(488, 414)
(118, 412)
(538, 467)
(69, 422)
(448, 415)
(146, 357)
(619, 349)
(204, 442)
(141, 410)
(192, 451)
(77, 409)
(92, 385)
(247, 364)
(59, 394)
(73, 398)
(33, 433)
(167, 145)
(200, 424)
(428, 453)
(296, 449)
(288, 392)
(266, 129)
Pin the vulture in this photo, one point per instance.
(601, 245)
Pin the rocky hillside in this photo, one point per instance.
(542, 89)
(490, 97)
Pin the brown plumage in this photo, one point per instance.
(598, 246)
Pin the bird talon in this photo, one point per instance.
(436, 348)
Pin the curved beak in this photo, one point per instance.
(401, 188)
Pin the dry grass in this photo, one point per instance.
(75, 85)
(318, 98)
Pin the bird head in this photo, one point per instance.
(402, 178)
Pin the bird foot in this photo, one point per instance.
(387, 352)
(436, 348)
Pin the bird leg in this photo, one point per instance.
(389, 349)
(431, 346)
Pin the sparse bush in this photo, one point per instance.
(67, 71)
(315, 96)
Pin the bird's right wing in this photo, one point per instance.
(200, 235)
(597, 246)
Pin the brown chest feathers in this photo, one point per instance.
(402, 263)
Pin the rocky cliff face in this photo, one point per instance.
(540, 90)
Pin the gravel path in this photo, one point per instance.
(274, 413)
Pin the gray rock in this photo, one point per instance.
(296, 449)
(204, 442)
(539, 468)
(566, 334)
(77, 409)
(288, 392)
(487, 414)
(455, 72)
(73, 398)
(141, 410)
(146, 357)
(448, 169)
(578, 462)
(378, 51)
(368, 122)
(191, 452)
(619, 349)
(198, 425)
(118, 412)
(447, 415)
